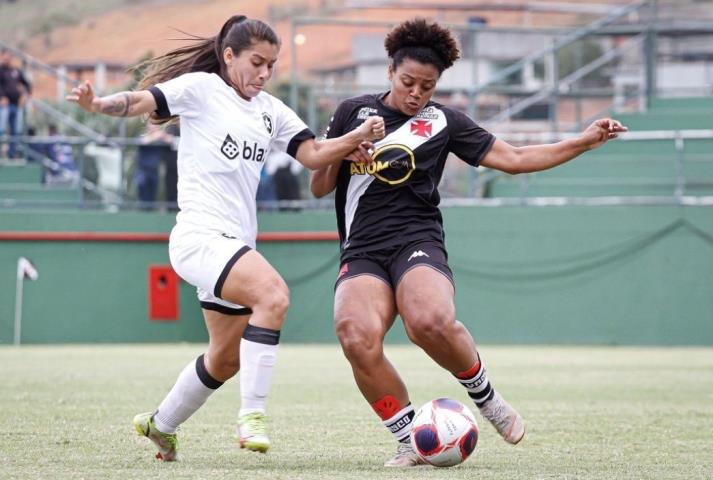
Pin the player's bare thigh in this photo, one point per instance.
(253, 282)
(425, 299)
(364, 310)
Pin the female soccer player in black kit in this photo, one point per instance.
(393, 258)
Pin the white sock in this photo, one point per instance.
(400, 423)
(476, 382)
(258, 354)
(192, 389)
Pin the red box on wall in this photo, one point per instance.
(163, 293)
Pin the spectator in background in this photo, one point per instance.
(14, 90)
(266, 197)
(62, 169)
(155, 146)
(40, 149)
(170, 179)
(284, 171)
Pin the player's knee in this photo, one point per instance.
(275, 301)
(359, 344)
(222, 365)
(428, 326)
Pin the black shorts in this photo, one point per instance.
(390, 264)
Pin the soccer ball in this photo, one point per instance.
(444, 432)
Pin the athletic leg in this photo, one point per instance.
(254, 283)
(198, 380)
(424, 296)
(363, 313)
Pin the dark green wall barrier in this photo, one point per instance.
(593, 275)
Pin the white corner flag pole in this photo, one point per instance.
(25, 269)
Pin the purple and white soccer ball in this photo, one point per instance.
(444, 432)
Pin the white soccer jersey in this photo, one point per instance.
(224, 143)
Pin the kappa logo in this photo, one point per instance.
(417, 253)
(267, 120)
(422, 128)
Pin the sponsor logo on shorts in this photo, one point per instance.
(417, 253)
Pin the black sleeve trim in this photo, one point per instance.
(485, 151)
(162, 110)
(297, 140)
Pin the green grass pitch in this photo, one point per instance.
(591, 413)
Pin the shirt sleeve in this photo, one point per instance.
(290, 130)
(338, 122)
(467, 139)
(181, 95)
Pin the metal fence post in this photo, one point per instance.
(680, 167)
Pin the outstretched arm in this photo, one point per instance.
(315, 155)
(122, 104)
(534, 158)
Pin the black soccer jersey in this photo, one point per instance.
(395, 198)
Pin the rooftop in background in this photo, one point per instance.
(122, 32)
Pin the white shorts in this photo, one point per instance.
(204, 260)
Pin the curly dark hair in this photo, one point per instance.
(423, 41)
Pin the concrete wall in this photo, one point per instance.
(615, 275)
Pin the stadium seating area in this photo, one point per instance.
(22, 182)
(633, 167)
(623, 168)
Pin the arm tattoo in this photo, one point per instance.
(118, 105)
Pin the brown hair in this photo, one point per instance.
(205, 54)
(423, 41)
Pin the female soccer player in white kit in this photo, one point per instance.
(228, 127)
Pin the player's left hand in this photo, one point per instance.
(601, 131)
(362, 154)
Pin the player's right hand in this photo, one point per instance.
(83, 95)
(373, 128)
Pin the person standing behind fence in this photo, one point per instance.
(394, 258)
(155, 147)
(228, 127)
(14, 90)
(62, 169)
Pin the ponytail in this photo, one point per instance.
(205, 54)
(218, 39)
